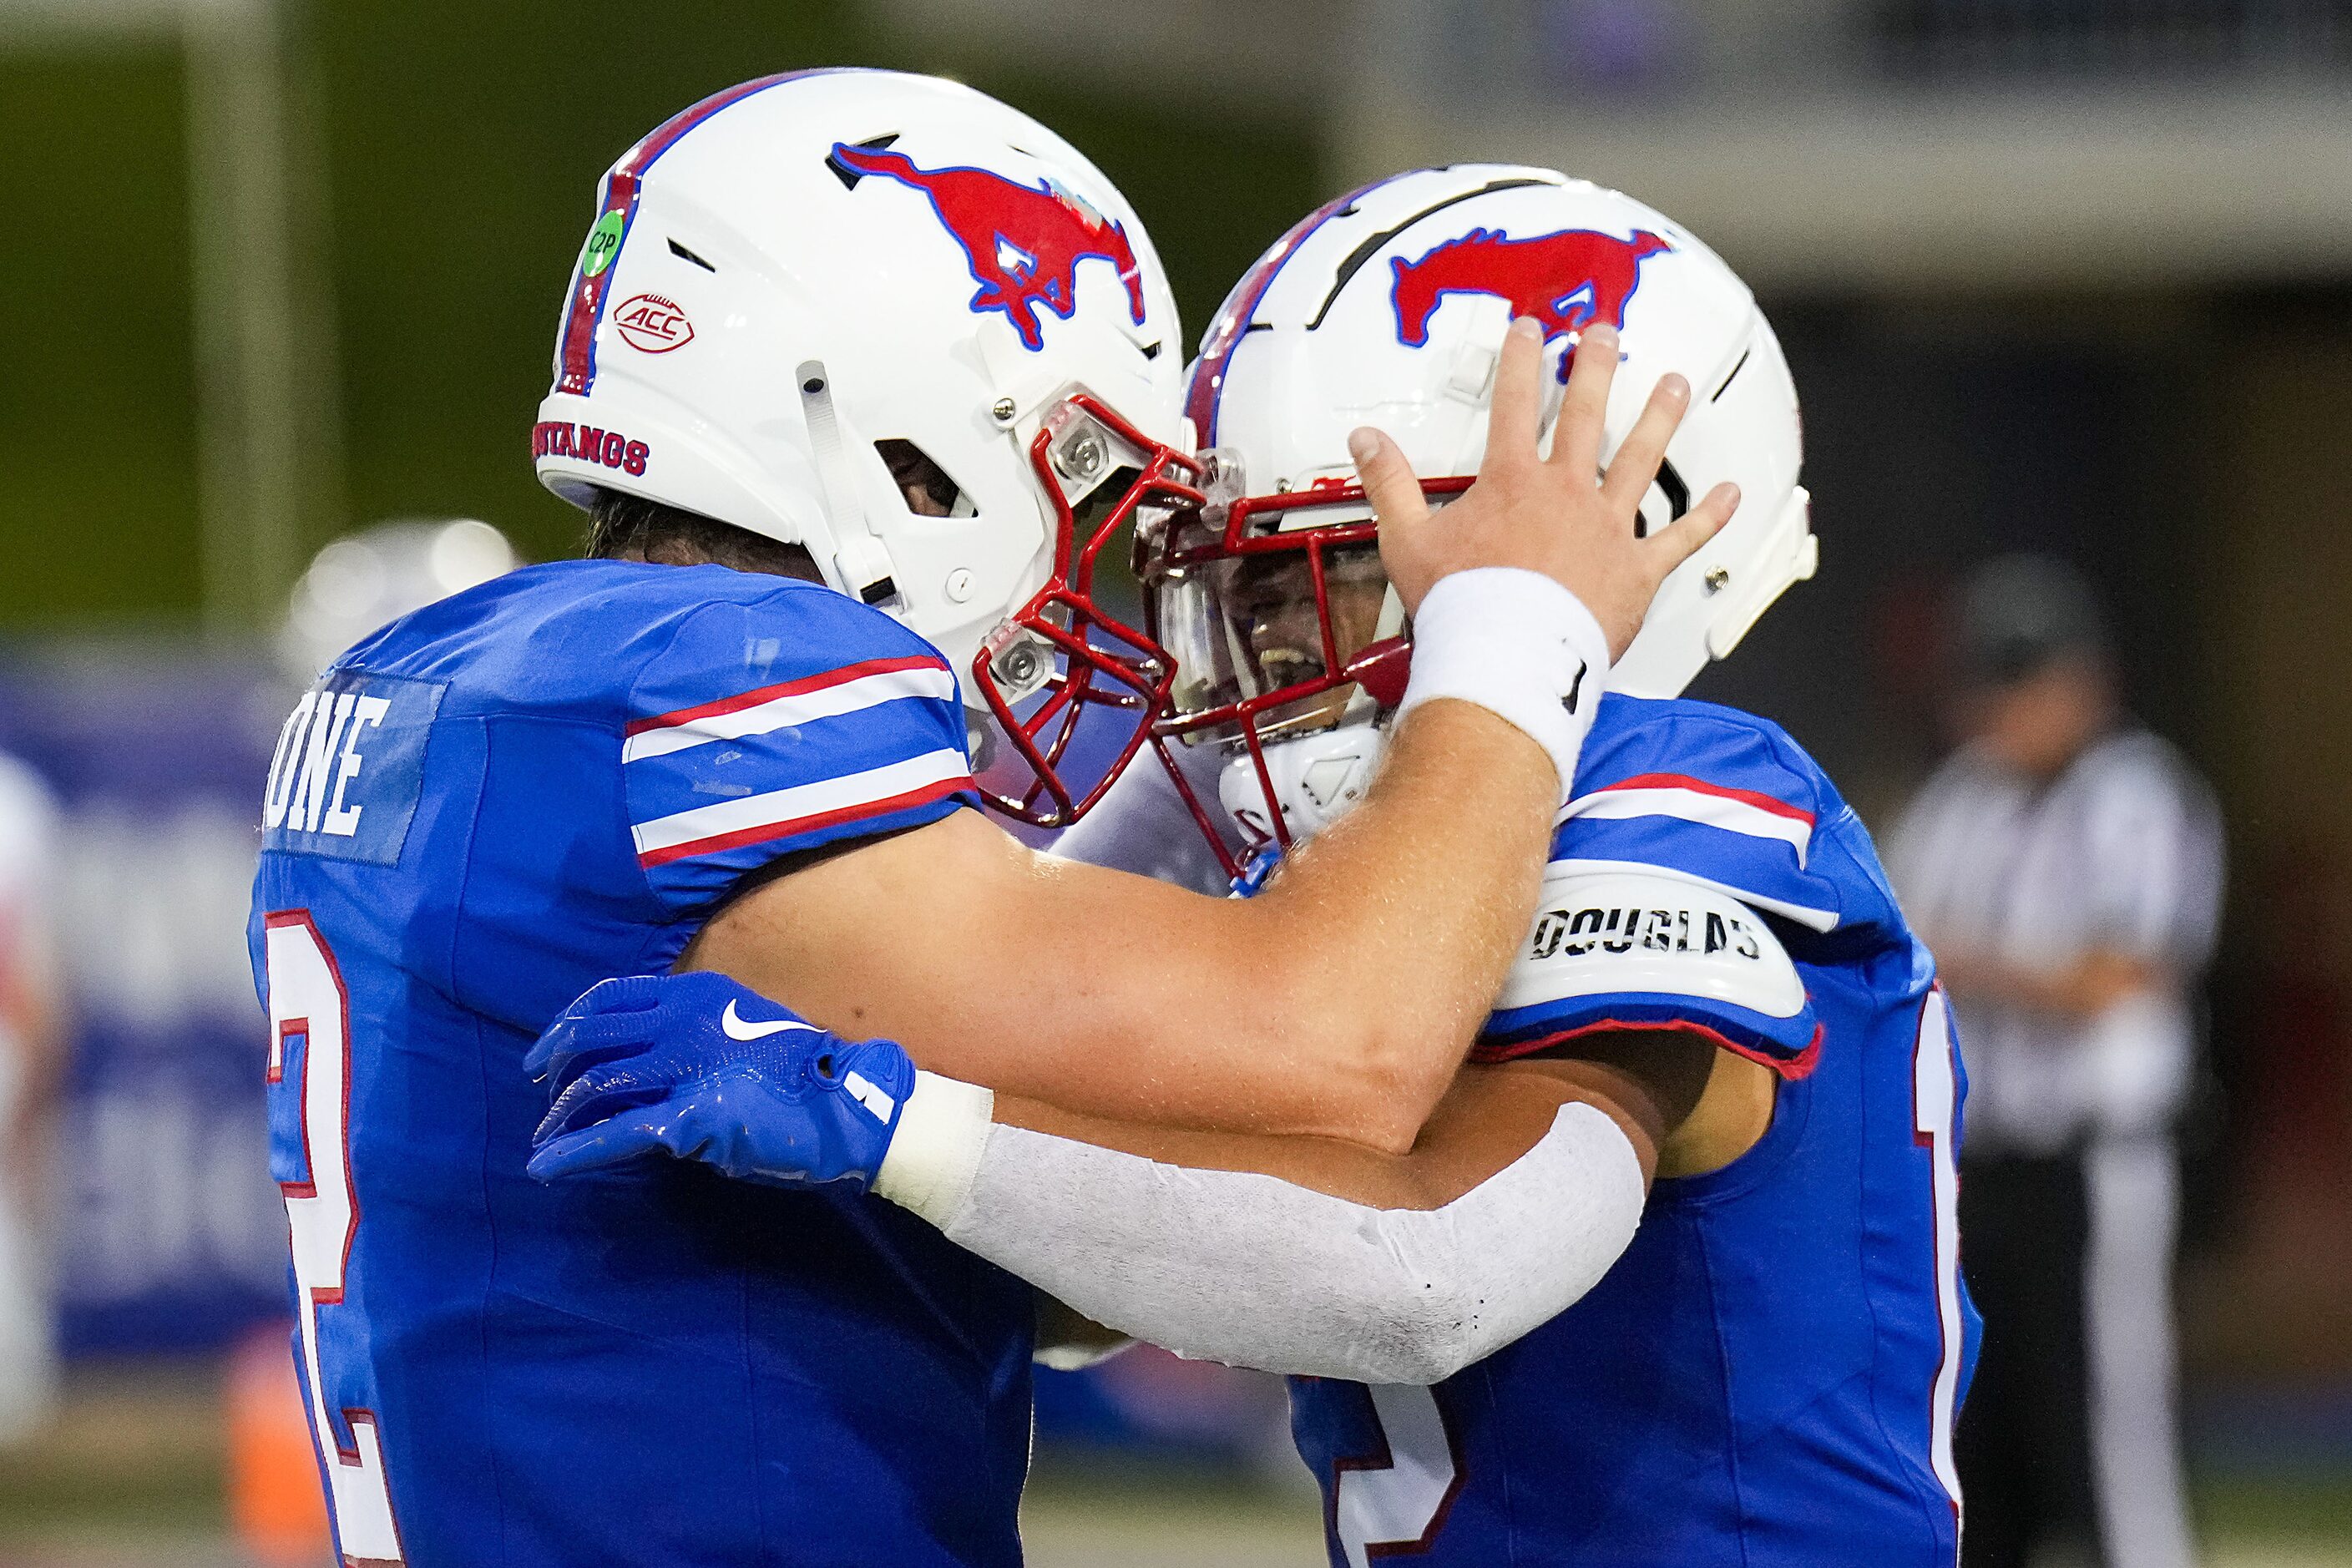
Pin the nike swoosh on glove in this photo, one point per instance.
(697, 1067)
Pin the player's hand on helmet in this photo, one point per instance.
(696, 1066)
(1548, 516)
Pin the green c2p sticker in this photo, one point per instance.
(604, 243)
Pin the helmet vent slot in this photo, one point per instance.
(1677, 491)
(1669, 487)
(929, 490)
(683, 254)
(1733, 376)
(1364, 252)
(849, 176)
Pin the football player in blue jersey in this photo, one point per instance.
(1769, 1372)
(858, 374)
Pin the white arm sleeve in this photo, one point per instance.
(1255, 1271)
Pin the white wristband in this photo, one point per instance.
(1519, 644)
(935, 1153)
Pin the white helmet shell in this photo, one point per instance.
(800, 267)
(1388, 308)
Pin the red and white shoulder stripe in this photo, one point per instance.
(1696, 800)
(803, 808)
(849, 689)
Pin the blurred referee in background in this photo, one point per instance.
(2065, 866)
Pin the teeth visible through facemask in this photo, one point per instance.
(1275, 660)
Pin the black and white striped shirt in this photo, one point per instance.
(2121, 852)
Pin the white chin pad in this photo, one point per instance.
(1316, 779)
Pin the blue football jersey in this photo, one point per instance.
(471, 817)
(1767, 1376)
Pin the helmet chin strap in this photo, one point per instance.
(861, 559)
(1317, 780)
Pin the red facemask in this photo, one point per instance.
(1074, 691)
(1188, 564)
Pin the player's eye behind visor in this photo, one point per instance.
(1270, 623)
(1264, 602)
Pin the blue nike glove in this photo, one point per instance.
(699, 1067)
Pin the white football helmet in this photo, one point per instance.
(801, 278)
(1388, 308)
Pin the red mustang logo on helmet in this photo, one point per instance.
(1024, 243)
(1566, 280)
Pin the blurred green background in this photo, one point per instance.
(458, 150)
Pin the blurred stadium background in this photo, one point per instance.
(2070, 275)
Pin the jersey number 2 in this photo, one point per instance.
(1393, 1502)
(310, 1078)
(1934, 1105)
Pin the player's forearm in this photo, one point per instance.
(1402, 921)
(1397, 925)
(1338, 1004)
(1488, 1118)
(1296, 1255)
(1292, 1255)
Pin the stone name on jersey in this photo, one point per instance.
(349, 766)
